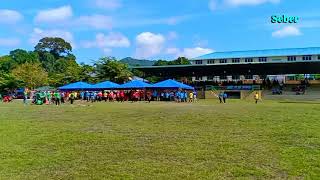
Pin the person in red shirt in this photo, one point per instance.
(149, 96)
(111, 96)
(100, 96)
(121, 96)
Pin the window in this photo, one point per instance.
(262, 59)
(236, 60)
(248, 76)
(223, 61)
(306, 58)
(235, 77)
(248, 60)
(292, 58)
(223, 77)
(198, 78)
(210, 78)
(198, 61)
(210, 61)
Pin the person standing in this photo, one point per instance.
(191, 97)
(72, 97)
(256, 97)
(62, 95)
(195, 96)
(25, 96)
(49, 98)
(221, 97)
(225, 96)
(57, 98)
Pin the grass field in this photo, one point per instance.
(205, 140)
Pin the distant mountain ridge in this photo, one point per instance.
(137, 62)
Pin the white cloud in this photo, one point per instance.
(172, 35)
(173, 51)
(113, 39)
(108, 4)
(249, 2)
(213, 4)
(145, 21)
(54, 15)
(189, 52)
(9, 16)
(216, 4)
(95, 21)
(9, 42)
(149, 44)
(38, 34)
(195, 52)
(287, 31)
(107, 51)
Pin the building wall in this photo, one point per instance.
(242, 60)
(256, 60)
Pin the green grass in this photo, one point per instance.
(205, 140)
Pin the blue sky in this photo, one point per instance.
(159, 28)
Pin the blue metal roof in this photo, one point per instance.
(135, 84)
(172, 84)
(76, 86)
(105, 85)
(261, 53)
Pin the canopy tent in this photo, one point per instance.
(45, 88)
(76, 86)
(105, 85)
(135, 84)
(171, 84)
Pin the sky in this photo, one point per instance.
(158, 29)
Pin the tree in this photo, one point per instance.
(5, 63)
(160, 63)
(180, 61)
(54, 45)
(108, 68)
(31, 75)
(7, 82)
(20, 56)
(87, 73)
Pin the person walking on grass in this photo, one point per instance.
(256, 97)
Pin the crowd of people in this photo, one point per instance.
(61, 97)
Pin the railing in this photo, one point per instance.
(233, 88)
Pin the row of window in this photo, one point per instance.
(249, 60)
(304, 58)
(234, 77)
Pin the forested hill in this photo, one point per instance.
(137, 62)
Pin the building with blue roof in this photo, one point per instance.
(248, 65)
(286, 55)
(261, 53)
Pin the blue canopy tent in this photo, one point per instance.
(135, 84)
(105, 85)
(171, 84)
(76, 86)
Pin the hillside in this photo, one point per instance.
(137, 62)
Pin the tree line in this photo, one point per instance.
(52, 63)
